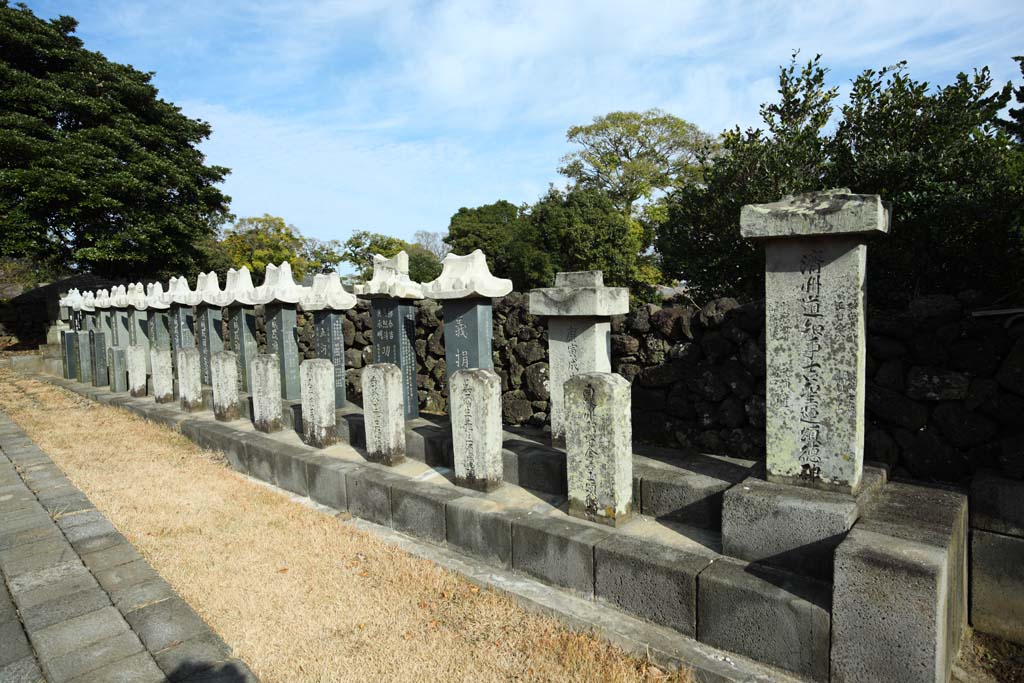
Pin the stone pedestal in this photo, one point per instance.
(117, 364)
(98, 359)
(266, 392)
(329, 338)
(138, 332)
(190, 386)
(382, 413)
(318, 389)
(163, 374)
(135, 357)
(579, 308)
(282, 341)
(224, 377)
(209, 337)
(599, 447)
(83, 357)
(394, 336)
(242, 322)
(475, 397)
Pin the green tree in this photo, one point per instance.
(631, 155)
(256, 242)
(358, 250)
(424, 265)
(1014, 127)
(96, 171)
(490, 228)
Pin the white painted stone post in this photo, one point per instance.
(135, 357)
(190, 386)
(579, 308)
(599, 447)
(383, 416)
(266, 393)
(224, 372)
(316, 377)
(475, 397)
(815, 264)
(163, 374)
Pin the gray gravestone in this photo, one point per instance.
(182, 328)
(135, 360)
(382, 413)
(209, 336)
(815, 265)
(329, 338)
(118, 363)
(83, 357)
(318, 408)
(159, 332)
(475, 397)
(242, 323)
(266, 393)
(67, 356)
(282, 341)
(121, 328)
(190, 386)
(394, 335)
(163, 374)
(224, 372)
(468, 334)
(98, 359)
(138, 331)
(599, 447)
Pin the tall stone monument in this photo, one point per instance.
(319, 427)
(119, 306)
(72, 302)
(466, 287)
(279, 295)
(135, 360)
(181, 300)
(267, 415)
(104, 332)
(190, 387)
(239, 299)
(475, 397)
(138, 321)
(327, 300)
(224, 370)
(209, 322)
(579, 309)
(382, 413)
(393, 320)
(158, 321)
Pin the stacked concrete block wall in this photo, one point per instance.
(997, 556)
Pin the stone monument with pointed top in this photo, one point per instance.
(327, 300)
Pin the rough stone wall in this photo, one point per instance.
(945, 391)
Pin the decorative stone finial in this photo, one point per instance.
(155, 296)
(119, 297)
(465, 277)
(239, 287)
(829, 212)
(178, 292)
(279, 286)
(101, 299)
(390, 279)
(579, 294)
(210, 293)
(327, 293)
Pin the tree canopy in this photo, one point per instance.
(257, 242)
(96, 171)
(360, 248)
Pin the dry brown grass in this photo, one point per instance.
(300, 595)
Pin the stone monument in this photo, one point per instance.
(135, 358)
(326, 300)
(579, 309)
(138, 321)
(158, 322)
(239, 299)
(267, 415)
(181, 299)
(466, 286)
(163, 374)
(279, 295)
(393, 319)
(190, 388)
(475, 397)
(382, 413)
(318, 389)
(209, 323)
(224, 372)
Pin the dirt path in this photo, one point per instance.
(300, 595)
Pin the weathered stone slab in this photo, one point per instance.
(210, 338)
(282, 340)
(98, 359)
(826, 213)
(997, 584)
(242, 322)
(183, 325)
(383, 414)
(67, 355)
(317, 388)
(117, 363)
(468, 334)
(135, 359)
(598, 447)
(159, 324)
(576, 346)
(394, 336)
(475, 397)
(163, 374)
(579, 294)
(329, 339)
(266, 393)
(190, 386)
(224, 375)
(997, 504)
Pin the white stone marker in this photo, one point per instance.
(475, 397)
(316, 380)
(163, 374)
(224, 371)
(599, 447)
(815, 262)
(135, 358)
(579, 308)
(383, 414)
(266, 393)
(190, 385)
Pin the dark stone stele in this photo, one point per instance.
(394, 338)
(182, 329)
(98, 359)
(118, 365)
(210, 335)
(329, 338)
(468, 334)
(68, 355)
(242, 322)
(282, 339)
(159, 333)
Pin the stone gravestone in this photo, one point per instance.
(239, 300)
(382, 413)
(579, 308)
(67, 355)
(104, 322)
(98, 359)
(599, 447)
(190, 387)
(319, 427)
(224, 372)
(180, 300)
(119, 317)
(475, 397)
(815, 261)
(266, 393)
(135, 359)
(158, 322)
(326, 300)
(163, 374)
(209, 323)
(118, 367)
(84, 353)
(279, 295)
(138, 320)
(70, 306)
(466, 286)
(393, 320)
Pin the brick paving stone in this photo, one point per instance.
(46, 576)
(94, 543)
(142, 594)
(74, 634)
(61, 590)
(17, 564)
(139, 668)
(166, 623)
(118, 578)
(15, 645)
(234, 671)
(91, 657)
(25, 670)
(193, 656)
(66, 607)
(111, 557)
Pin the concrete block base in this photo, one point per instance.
(556, 550)
(997, 584)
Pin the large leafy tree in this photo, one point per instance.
(256, 242)
(96, 171)
(490, 228)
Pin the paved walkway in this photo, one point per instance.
(78, 603)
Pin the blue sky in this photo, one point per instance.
(389, 116)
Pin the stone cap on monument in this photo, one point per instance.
(73, 300)
(87, 303)
(208, 288)
(119, 297)
(580, 293)
(825, 213)
(279, 286)
(178, 292)
(466, 277)
(327, 294)
(239, 290)
(137, 296)
(101, 299)
(390, 279)
(155, 296)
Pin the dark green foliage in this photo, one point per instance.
(96, 172)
